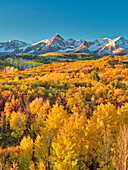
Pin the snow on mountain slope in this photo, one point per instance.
(115, 46)
(95, 44)
(83, 48)
(103, 46)
(56, 44)
(12, 47)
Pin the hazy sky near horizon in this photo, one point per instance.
(34, 20)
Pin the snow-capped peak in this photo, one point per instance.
(118, 41)
(58, 36)
(12, 47)
(101, 46)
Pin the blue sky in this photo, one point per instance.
(34, 20)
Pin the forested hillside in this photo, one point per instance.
(67, 115)
(26, 61)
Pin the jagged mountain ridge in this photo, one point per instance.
(103, 46)
(12, 47)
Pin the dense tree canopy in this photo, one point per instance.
(67, 115)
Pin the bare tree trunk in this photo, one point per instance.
(121, 155)
(94, 164)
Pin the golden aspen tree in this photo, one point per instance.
(120, 159)
(38, 110)
(102, 133)
(49, 131)
(18, 124)
(26, 151)
(69, 146)
(121, 152)
(123, 114)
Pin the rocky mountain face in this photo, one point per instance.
(116, 46)
(103, 46)
(12, 47)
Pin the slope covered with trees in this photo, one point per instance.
(26, 61)
(68, 115)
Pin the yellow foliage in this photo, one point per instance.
(26, 151)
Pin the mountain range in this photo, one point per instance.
(102, 47)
